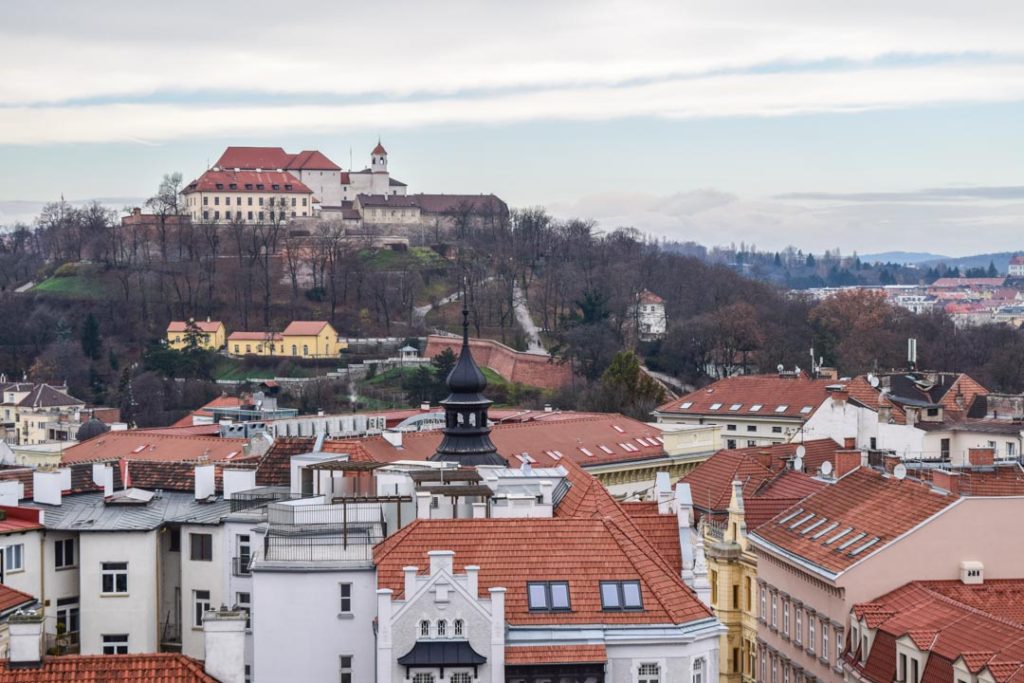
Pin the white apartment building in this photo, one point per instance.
(226, 195)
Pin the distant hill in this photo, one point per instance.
(1000, 259)
(904, 257)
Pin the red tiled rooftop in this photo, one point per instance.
(304, 328)
(206, 410)
(247, 181)
(864, 501)
(202, 325)
(555, 654)
(312, 160)
(254, 157)
(162, 667)
(149, 445)
(254, 336)
(11, 598)
(779, 397)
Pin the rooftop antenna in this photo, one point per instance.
(912, 353)
(814, 368)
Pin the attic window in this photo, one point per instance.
(275, 186)
(139, 449)
(756, 407)
(714, 406)
(586, 452)
(606, 449)
(619, 429)
(288, 187)
(806, 409)
(232, 186)
(685, 405)
(621, 595)
(548, 596)
(858, 551)
(839, 535)
(735, 406)
(824, 531)
(790, 516)
(259, 186)
(847, 544)
(781, 409)
(220, 186)
(248, 186)
(812, 527)
(801, 521)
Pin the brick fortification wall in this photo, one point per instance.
(515, 366)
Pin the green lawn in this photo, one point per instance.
(74, 287)
(416, 257)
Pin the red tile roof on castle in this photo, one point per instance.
(247, 181)
(754, 396)
(379, 149)
(649, 297)
(11, 598)
(164, 667)
(202, 325)
(762, 471)
(555, 654)
(312, 160)
(151, 445)
(270, 158)
(587, 438)
(983, 624)
(852, 519)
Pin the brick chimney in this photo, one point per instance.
(849, 443)
(846, 461)
(981, 457)
(947, 480)
(765, 459)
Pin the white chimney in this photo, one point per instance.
(238, 480)
(547, 489)
(410, 581)
(663, 491)
(11, 492)
(25, 629)
(46, 487)
(103, 475)
(423, 500)
(65, 478)
(972, 573)
(497, 661)
(441, 560)
(224, 643)
(393, 437)
(473, 579)
(479, 510)
(205, 481)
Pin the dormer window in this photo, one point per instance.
(621, 595)
(220, 186)
(248, 186)
(259, 186)
(232, 186)
(288, 187)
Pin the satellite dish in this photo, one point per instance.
(873, 381)
(801, 451)
(900, 471)
(798, 464)
(826, 468)
(780, 367)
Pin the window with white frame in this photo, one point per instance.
(649, 672)
(458, 628)
(68, 622)
(785, 617)
(14, 558)
(200, 605)
(798, 625)
(810, 633)
(115, 644)
(423, 677)
(764, 604)
(764, 666)
(461, 677)
(345, 598)
(243, 601)
(345, 666)
(785, 673)
(775, 610)
(114, 578)
(424, 629)
(442, 628)
(824, 640)
(697, 675)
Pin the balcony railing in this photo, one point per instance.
(240, 565)
(324, 516)
(355, 547)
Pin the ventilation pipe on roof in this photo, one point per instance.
(236, 481)
(103, 475)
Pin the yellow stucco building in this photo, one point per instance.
(301, 339)
(211, 338)
(732, 571)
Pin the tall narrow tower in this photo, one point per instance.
(379, 159)
(467, 439)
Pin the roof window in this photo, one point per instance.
(839, 535)
(756, 407)
(846, 544)
(621, 595)
(714, 406)
(781, 409)
(812, 527)
(824, 531)
(259, 186)
(735, 406)
(587, 452)
(605, 449)
(232, 186)
(859, 550)
(806, 409)
(791, 516)
(619, 429)
(220, 186)
(275, 186)
(248, 186)
(287, 187)
(686, 405)
(548, 596)
(801, 520)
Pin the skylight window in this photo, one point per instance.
(814, 526)
(643, 442)
(659, 440)
(756, 407)
(619, 429)
(558, 455)
(735, 406)
(628, 447)
(586, 452)
(801, 521)
(782, 409)
(714, 406)
(621, 595)
(686, 405)
(847, 544)
(824, 531)
(548, 596)
(806, 409)
(859, 550)
(606, 449)
(839, 535)
(790, 516)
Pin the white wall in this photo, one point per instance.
(59, 583)
(201, 575)
(298, 634)
(134, 613)
(674, 659)
(29, 579)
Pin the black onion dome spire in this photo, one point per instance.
(467, 439)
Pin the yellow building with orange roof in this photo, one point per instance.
(310, 339)
(211, 337)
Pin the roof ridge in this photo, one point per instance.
(969, 608)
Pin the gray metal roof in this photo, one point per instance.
(89, 512)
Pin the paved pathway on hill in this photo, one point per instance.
(526, 322)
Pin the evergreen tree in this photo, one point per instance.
(810, 262)
(992, 272)
(91, 342)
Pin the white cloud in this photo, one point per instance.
(770, 94)
(712, 217)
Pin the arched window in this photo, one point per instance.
(305, 350)
(698, 670)
(424, 629)
(294, 350)
(458, 628)
(442, 628)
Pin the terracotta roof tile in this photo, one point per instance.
(778, 397)
(274, 468)
(11, 598)
(143, 445)
(202, 325)
(162, 667)
(304, 328)
(555, 654)
(247, 181)
(875, 509)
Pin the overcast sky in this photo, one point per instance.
(864, 125)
